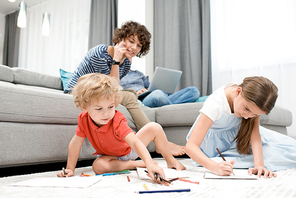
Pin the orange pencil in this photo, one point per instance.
(185, 180)
(128, 179)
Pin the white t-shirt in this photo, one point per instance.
(213, 106)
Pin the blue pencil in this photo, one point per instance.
(106, 174)
(163, 191)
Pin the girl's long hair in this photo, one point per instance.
(261, 92)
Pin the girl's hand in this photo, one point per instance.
(141, 91)
(119, 51)
(224, 168)
(152, 169)
(261, 171)
(68, 172)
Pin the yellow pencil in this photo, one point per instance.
(145, 186)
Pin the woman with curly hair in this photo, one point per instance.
(132, 39)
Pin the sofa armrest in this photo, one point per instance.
(278, 116)
(178, 114)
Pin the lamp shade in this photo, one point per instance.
(46, 24)
(22, 16)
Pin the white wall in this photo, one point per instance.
(140, 11)
(2, 29)
(137, 10)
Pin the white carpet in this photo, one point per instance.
(118, 186)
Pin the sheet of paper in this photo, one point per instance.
(169, 173)
(239, 174)
(59, 182)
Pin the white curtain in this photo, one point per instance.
(67, 43)
(256, 37)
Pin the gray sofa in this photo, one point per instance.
(37, 121)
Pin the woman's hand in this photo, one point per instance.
(141, 91)
(224, 168)
(119, 51)
(260, 170)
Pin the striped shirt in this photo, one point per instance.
(97, 60)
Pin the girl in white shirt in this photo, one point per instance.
(229, 121)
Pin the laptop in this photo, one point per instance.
(164, 79)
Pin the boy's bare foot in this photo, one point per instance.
(177, 165)
(175, 149)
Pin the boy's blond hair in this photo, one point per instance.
(95, 85)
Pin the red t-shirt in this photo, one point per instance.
(107, 139)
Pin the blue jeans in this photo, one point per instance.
(158, 98)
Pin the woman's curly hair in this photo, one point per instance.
(95, 85)
(132, 28)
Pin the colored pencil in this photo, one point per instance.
(174, 179)
(145, 187)
(190, 181)
(220, 154)
(64, 171)
(163, 191)
(223, 157)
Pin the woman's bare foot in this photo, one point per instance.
(175, 149)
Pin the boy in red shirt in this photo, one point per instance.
(116, 145)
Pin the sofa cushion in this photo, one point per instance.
(201, 99)
(178, 114)
(31, 104)
(6, 73)
(26, 77)
(65, 77)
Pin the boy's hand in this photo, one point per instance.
(68, 173)
(261, 171)
(152, 169)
